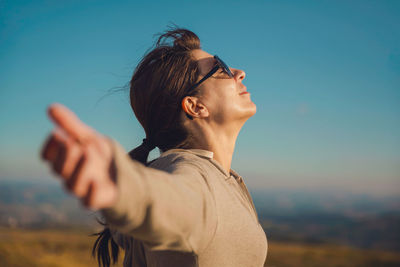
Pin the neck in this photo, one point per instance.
(220, 141)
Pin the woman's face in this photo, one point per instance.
(222, 95)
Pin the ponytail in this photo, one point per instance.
(141, 153)
(100, 248)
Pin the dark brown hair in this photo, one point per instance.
(159, 83)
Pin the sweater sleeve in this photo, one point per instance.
(166, 210)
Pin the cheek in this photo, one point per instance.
(225, 104)
(219, 106)
(227, 107)
(218, 110)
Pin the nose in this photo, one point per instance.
(238, 74)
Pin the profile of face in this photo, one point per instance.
(221, 98)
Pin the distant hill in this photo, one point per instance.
(41, 205)
(319, 217)
(314, 218)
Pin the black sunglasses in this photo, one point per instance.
(219, 64)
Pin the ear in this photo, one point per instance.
(193, 107)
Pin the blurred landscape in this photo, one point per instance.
(324, 75)
(357, 220)
(41, 225)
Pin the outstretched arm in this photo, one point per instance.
(174, 211)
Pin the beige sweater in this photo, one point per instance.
(185, 210)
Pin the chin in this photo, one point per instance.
(252, 110)
(255, 108)
(249, 112)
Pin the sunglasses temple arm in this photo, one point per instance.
(208, 75)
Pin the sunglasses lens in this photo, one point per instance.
(226, 68)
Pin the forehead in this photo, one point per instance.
(205, 60)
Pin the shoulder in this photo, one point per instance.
(176, 160)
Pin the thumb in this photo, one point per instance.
(69, 122)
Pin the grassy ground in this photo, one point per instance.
(285, 255)
(47, 248)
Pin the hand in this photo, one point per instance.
(82, 158)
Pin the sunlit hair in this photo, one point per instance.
(158, 85)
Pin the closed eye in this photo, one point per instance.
(225, 72)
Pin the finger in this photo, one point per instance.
(74, 153)
(67, 158)
(70, 123)
(49, 151)
(79, 180)
(51, 146)
(88, 200)
(59, 160)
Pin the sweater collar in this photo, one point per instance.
(205, 154)
(199, 152)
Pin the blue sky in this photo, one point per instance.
(325, 76)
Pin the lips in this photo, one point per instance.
(244, 91)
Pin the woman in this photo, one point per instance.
(187, 207)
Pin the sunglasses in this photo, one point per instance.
(219, 64)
